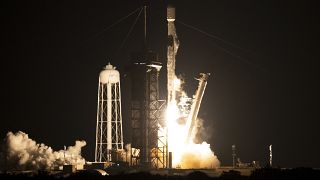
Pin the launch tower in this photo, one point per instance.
(148, 146)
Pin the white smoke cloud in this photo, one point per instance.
(22, 153)
(199, 156)
(201, 132)
(197, 153)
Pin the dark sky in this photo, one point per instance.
(264, 90)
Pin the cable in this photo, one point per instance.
(113, 24)
(129, 32)
(212, 36)
(225, 42)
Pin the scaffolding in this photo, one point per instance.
(147, 113)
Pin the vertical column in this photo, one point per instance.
(233, 156)
(96, 155)
(116, 121)
(270, 160)
(120, 117)
(109, 119)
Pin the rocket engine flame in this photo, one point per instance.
(186, 154)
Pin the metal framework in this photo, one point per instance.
(149, 145)
(156, 146)
(109, 136)
(148, 137)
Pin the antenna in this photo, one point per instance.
(233, 156)
(145, 24)
(270, 155)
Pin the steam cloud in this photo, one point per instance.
(196, 153)
(22, 153)
(199, 156)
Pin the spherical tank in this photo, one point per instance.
(109, 75)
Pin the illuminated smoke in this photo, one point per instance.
(193, 154)
(198, 156)
(23, 153)
(201, 132)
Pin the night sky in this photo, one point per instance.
(263, 88)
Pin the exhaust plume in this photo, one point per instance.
(194, 153)
(22, 153)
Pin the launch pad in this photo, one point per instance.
(158, 140)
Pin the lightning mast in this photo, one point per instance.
(146, 107)
(233, 156)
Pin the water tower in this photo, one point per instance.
(109, 136)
